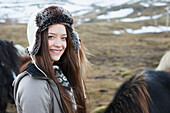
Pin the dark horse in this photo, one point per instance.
(9, 68)
(146, 92)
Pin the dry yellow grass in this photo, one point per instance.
(116, 57)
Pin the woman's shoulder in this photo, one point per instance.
(30, 92)
(32, 83)
(26, 84)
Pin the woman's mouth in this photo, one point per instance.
(55, 51)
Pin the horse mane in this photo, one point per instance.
(9, 56)
(131, 97)
(9, 68)
(12, 57)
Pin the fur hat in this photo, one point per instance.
(41, 20)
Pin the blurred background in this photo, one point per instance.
(123, 36)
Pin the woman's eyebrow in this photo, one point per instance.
(52, 33)
(56, 34)
(64, 34)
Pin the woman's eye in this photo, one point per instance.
(64, 38)
(50, 37)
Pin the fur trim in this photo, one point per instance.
(53, 15)
(75, 40)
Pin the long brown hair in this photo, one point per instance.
(69, 64)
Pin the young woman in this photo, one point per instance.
(53, 81)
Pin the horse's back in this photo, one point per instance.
(158, 84)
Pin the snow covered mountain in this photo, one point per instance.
(19, 11)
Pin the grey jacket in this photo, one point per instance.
(35, 93)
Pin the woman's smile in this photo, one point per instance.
(56, 51)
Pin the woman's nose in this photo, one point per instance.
(57, 42)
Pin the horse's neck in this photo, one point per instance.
(24, 60)
(24, 63)
(168, 71)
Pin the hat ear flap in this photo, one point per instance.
(75, 40)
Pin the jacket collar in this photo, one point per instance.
(34, 72)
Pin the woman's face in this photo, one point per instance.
(57, 41)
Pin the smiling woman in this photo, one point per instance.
(58, 63)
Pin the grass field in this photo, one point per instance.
(114, 58)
